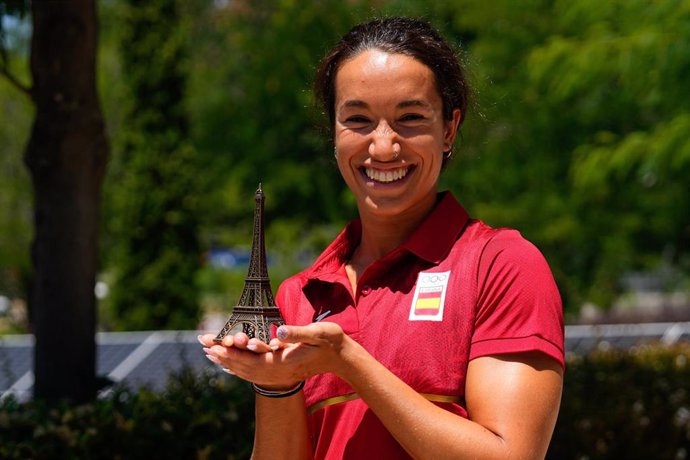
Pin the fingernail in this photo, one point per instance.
(282, 333)
(213, 359)
(228, 371)
(251, 346)
(275, 348)
(198, 337)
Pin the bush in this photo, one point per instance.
(197, 417)
(632, 404)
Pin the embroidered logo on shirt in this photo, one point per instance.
(322, 316)
(429, 297)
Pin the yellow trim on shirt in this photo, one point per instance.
(352, 396)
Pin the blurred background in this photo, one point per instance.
(578, 136)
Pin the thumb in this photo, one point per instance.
(315, 333)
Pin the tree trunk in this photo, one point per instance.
(66, 156)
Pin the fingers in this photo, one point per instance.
(275, 344)
(313, 334)
(296, 353)
(218, 352)
(206, 339)
(240, 340)
(258, 346)
(253, 361)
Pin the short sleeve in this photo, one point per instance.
(287, 298)
(519, 307)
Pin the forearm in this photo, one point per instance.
(281, 429)
(428, 431)
(423, 429)
(281, 422)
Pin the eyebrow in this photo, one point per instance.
(401, 105)
(355, 103)
(414, 103)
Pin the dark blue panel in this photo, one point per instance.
(108, 356)
(15, 361)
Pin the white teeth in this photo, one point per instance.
(386, 176)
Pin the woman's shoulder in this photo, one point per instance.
(497, 248)
(497, 238)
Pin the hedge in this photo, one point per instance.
(632, 404)
(197, 417)
(625, 404)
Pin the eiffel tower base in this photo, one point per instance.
(256, 322)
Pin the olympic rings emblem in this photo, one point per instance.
(434, 278)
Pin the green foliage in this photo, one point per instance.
(582, 145)
(577, 138)
(625, 404)
(16, 112)
(616, 404)
(253, 112)
(15, 191)
(155, 181)
(203, 417)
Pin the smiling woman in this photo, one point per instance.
(419, 332)
(390, 134)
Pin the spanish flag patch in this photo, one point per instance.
(429, 297)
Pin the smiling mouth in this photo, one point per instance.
(386, 177)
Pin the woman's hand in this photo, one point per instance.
(296, 353)
(279, 367)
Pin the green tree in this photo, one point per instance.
(581, 139)
(155, 178)
(634, 157)
(16, 112)
(576, 138)
(254, 120)
(66, 157)
(253, 111)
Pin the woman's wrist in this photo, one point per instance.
(277, 392)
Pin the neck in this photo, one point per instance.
(382, 234)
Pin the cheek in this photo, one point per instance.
(347, 140)
(342, 160)
(344, 166)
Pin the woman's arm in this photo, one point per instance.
(512, 401)
(281, 429)
(281, 423)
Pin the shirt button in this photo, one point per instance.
(366, 290)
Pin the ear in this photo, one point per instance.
(451, 130)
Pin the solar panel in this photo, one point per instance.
(148, 358)
(135, 359)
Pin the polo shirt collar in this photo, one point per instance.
(432, 241)
(435, 237)
(329, 263)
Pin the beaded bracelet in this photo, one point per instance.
(277, 394)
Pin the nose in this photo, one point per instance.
(384, 144)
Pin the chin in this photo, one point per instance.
(385, 207)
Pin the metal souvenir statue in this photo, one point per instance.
(256, 313)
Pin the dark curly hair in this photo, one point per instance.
(400, 35)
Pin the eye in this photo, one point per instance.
(411, 117)
(357, 119)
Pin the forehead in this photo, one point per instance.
(377, 74)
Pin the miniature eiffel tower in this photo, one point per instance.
(256, 313)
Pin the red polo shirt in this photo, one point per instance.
(459, 287)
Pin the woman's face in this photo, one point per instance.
(390, 133)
